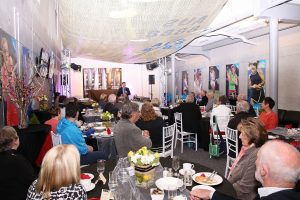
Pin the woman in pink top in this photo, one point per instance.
(56, 116)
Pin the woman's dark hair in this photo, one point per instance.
(54, 111)
(254, 130)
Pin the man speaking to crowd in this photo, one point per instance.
(123, 91)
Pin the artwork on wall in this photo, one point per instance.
(27, 64)
(198, 82)
(232, 80)
(177, 84)
(256, 81)
(213, 78)
(185, 80)
(113, 77)
(88, 80)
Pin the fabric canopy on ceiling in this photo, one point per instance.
(133, 31)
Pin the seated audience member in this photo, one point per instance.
(56, 116)
(184, 94)
(242, 97)
(110, 106)
(190, 114)
(204, 98)
(128, 137)
(221, 113)
(242, 173)
(277, 172)
(194, 95)
(156, 106)
(71, 134)
(103, 100)
(59, 177)
(242, 112)
(210, 103)
(268, 117)
(153, 123)
(16, 173)
(120, 102)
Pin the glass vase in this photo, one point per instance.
(23, 118)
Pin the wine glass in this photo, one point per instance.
(100, 166)
(175, 163)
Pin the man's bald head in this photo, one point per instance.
(278, 163)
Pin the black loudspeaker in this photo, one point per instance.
(151, 79)
(152, 66)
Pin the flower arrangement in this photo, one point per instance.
(95, 105)
(143, 157)
(43, 98)
(144, 161)
(106, 116)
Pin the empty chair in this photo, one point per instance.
(56, 139)
(168, 142)
(182, 136)
(232, 147)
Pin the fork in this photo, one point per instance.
(211, 175)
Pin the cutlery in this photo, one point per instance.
(97, 180)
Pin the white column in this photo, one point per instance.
(173, 78)
(273, 73)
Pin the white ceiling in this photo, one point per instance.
(138, 31)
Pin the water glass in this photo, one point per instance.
(123, 175)
(101, 166)
(172, 192)
(112, 181)
(175, 163)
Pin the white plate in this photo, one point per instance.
(271, 137)
(98, 123)
(104, 134)
(92, 186)
(168, 182)
(216, 180)
(190, 172)
(205, 187)
(90, 175)
(99, 128)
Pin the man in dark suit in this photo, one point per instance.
(277, 169)
(204, 98)
(124, 91)
(190, 114)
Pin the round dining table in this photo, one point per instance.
(225, 187)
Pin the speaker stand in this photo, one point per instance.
(151, 92)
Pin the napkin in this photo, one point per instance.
(102, 178)
(84, 176)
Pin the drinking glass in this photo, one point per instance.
(100, 166)
(182, 188)
(112, 182)
(175, 163)
(172, 192)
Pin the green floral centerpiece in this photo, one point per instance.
(144, 162)
(95, 105)
(106, 116)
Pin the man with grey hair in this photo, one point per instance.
(243, 97)
(242, 112)
(210, 103)
(277, 169)
(128, 137)
(110, 106)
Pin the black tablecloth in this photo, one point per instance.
(32, 140)
(225, 187)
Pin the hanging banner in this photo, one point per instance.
(232, 80)
(256, 81)
(133, 31)
(198, 82)
(185, 81)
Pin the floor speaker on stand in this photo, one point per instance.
(151, 82)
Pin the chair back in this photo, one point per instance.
(232, 147)
(168, 141)
(56, 139)
(178, 122)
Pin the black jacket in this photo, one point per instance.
(16, 175)
(190, 116)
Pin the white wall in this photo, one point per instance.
(135, 76)
(289, 65)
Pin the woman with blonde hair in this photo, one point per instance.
(16, 172)
(59, 177)
(156, 103)
(151, 122)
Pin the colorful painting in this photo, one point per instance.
(213, 78)
(8, 62)
(113, 77)
(198, 81)
(256, 81)
(27, 64)
(232, 80)
(185, 81)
